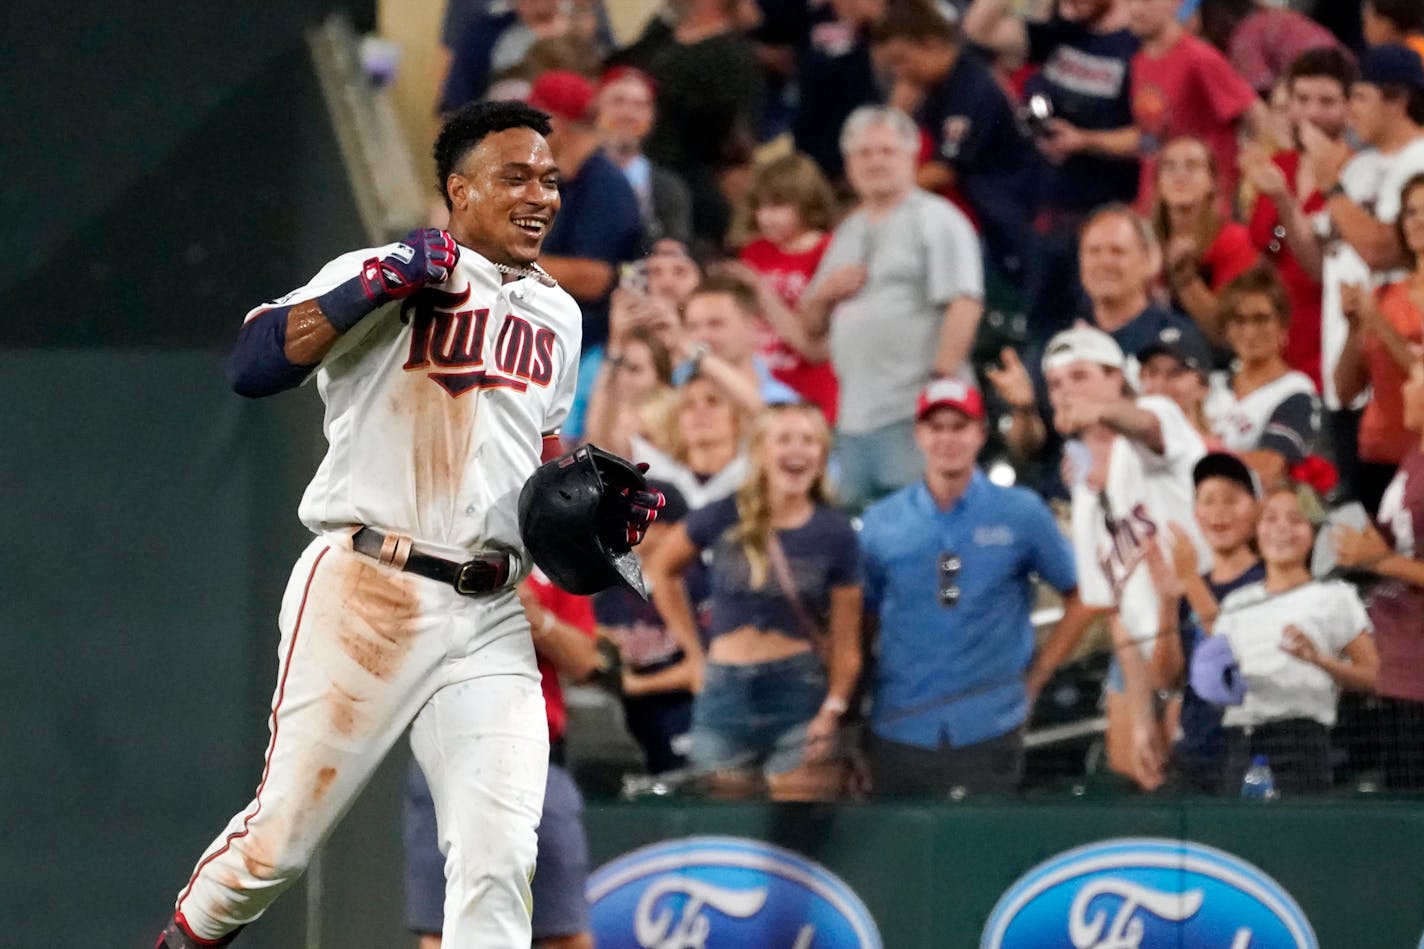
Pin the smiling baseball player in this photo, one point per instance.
(446, 362)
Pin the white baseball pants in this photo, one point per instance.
(365, 650)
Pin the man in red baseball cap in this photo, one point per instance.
(599, 226)
(949, 566)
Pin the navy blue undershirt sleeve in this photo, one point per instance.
(258, 365)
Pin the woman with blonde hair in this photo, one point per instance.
(783, 650)
(1203, 249)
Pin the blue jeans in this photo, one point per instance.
(876, 463)
(754, 715)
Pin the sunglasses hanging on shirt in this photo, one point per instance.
(948, 592)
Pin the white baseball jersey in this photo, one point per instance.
(1240, 423)
(1144, 493)
(1373, 181)
(436, 407)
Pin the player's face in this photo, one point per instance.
(1226, 513)
(1184, 176)
(1254, 330)
(1411, 219)
(779, 223)
(1113, 261)
(625, 111)
(505, 195)
(949, 440)
(879, 164)
(1413, 392)
(705, 416)
(1283, 532)
(1322, 102)
(716, 320)
(1147, 19)
(793, 451)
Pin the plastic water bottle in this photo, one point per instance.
(1259, 784)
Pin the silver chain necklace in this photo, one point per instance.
(533, 272)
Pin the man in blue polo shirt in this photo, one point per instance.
(949, 565)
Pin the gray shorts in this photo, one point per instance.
(560, 907)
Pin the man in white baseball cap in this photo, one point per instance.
(1128, 466)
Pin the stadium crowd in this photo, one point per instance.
(920, 312)
(926, 314)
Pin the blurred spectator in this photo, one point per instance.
(649, 295)
(497, 40)
(636, 364)
(709, 98)
(1130, 463)
(895, 302)
(791, 210)
(949, 568)
(598, 226)
(1394, 21)
(1296, 642)
(1362, 202)
(1396, 603)
(720, 335)
(706, 461)
(1203, 251)
(784, 652)
(1182, 86)
(1269, 413)
(1178, 366)
(656, 673)
(978, 156)
(1318, 84)
(1227, 504)
(1260, 40)
(562, 628)
(1119, 259)
(1090, 143)
(834, 77)
(1386, 331)
(625, 117)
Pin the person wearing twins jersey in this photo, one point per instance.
(446, 362)
(1130, 474)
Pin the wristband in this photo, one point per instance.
(835, 705)
(345, 305)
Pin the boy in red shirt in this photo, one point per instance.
(1184, 86)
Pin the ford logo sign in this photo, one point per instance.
(1144, 892)
(724, 893)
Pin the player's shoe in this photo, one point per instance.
(176, 936)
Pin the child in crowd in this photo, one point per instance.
(790, 209)
(1294, 643)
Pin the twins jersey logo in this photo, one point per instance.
(1127, 544)
(448, 344)
(1137, 893)
(724, 893)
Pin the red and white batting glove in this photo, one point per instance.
(643, 508)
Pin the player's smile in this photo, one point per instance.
(510, 198)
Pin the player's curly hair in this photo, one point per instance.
(467, 127)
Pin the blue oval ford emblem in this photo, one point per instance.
(724, 893)
(1142, 893)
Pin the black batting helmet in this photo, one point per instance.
(573, 514)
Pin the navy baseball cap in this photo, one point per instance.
(1223, 464)
(1391, 64)
(1187, 348)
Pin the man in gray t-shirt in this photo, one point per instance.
(897, 298)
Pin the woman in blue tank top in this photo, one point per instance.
(783, 650)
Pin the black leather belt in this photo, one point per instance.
(483, 574)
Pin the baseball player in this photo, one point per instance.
(447, 363)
